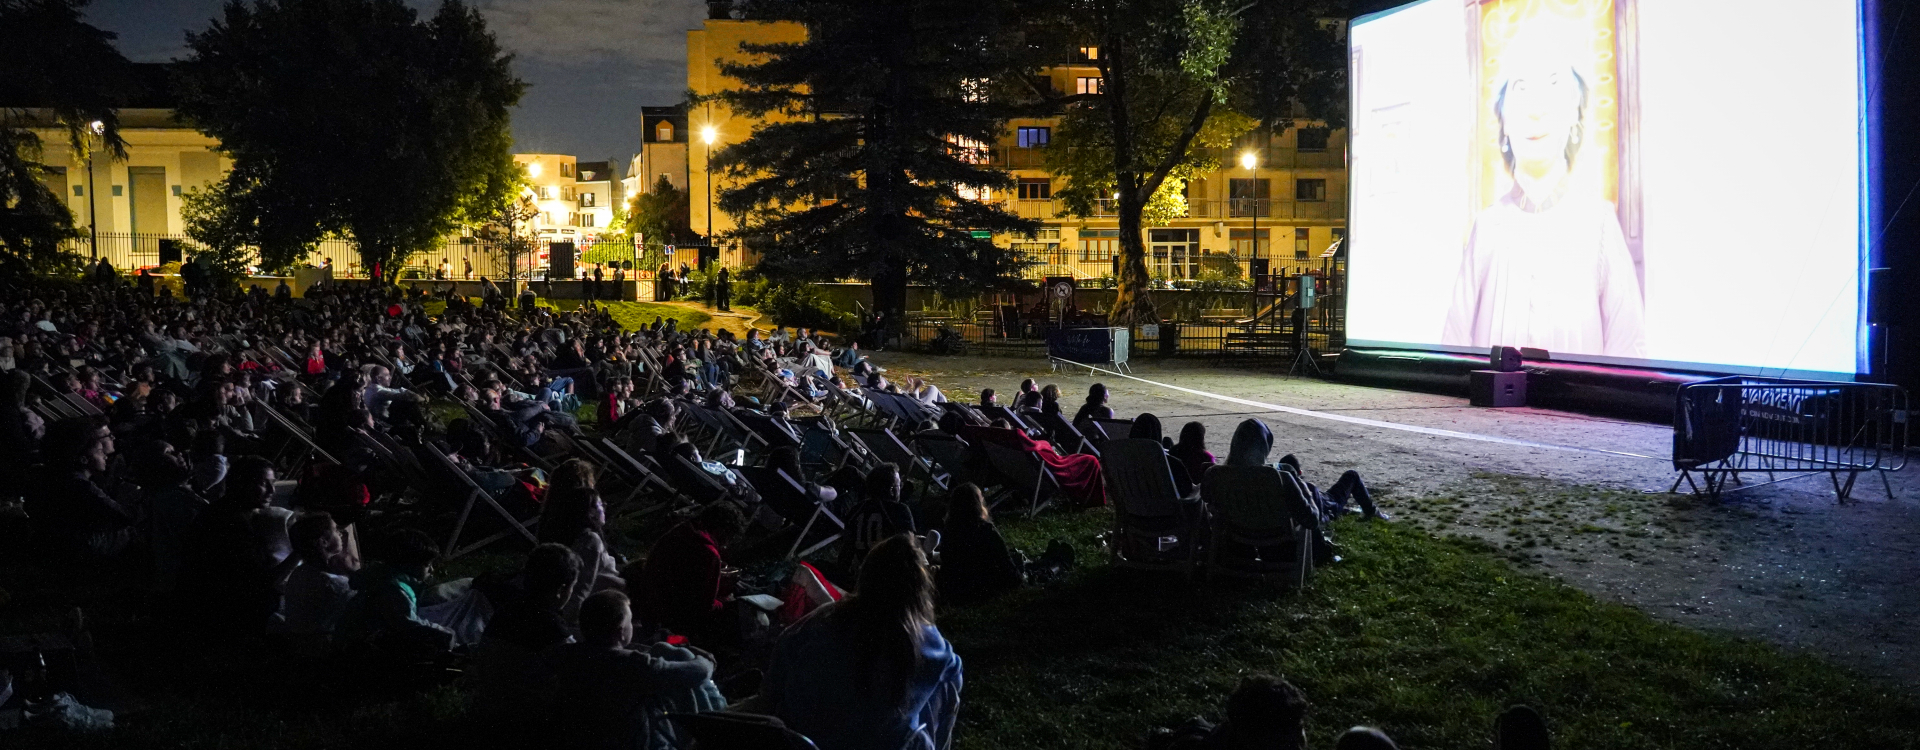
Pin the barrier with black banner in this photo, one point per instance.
(1089, 346)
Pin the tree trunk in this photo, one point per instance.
(1132, 303)
(889, 289)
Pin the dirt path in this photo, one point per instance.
(1582, 497)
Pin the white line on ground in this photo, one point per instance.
(1437, 432)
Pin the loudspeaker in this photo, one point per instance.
(1504, 359)
(169, 251)
(560, 263)
(1499, 389)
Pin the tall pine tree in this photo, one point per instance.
(882, 173)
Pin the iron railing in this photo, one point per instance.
(1727, 427)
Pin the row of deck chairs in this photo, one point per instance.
(1238, 522)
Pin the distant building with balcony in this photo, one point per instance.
(663, 150)
(598, 192)
(1289, 210)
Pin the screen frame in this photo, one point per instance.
(1867, 256)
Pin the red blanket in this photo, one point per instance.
(1079, 474)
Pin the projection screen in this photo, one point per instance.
(1672, 183)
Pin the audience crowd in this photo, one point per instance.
(293, 473)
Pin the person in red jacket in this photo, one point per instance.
(681, 587)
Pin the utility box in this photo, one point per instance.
(1497, 389)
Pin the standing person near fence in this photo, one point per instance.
(723, 290)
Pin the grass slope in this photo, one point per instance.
(1425, 637)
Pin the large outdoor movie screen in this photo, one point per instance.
(1641, 182)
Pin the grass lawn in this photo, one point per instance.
(1426, 637)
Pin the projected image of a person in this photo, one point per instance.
(1546, 265)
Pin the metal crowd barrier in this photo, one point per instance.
(1728, 427)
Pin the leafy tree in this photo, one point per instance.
(59, 73)
(354, 117)
(661, 216)
(879, 173)
(505, 224)
(1180, 77)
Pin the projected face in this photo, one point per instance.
(1540, 112)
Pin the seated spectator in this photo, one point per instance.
(879, 515)
(1078, 474)
(975, 564)
(787, 459)
(987, 397)
(384, 614)
(1252, 441)
(1147, 427)
(682, 587)
(1050, 399)
(171, 507)
(506, 667)
(1029, 396)
(1264, 713)
(1349, 485)
(1096, 405)
(606, 695)
(1191, 451)
(574, 515)
(227, 575)
(870, 670)
(74, 517)
(317, 590)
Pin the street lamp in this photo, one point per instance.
(1252, 166)
(93, 221)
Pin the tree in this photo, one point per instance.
(354, 117)
(880, 174)
(661, 216)
(1173, 74)
(64, 74)
(504, 224)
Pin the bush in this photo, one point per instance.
(800, 306)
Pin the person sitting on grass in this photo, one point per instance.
(682, 586)
(507, 665)
(384, 616)
(1521, 728)
(227, 576)
(608, 696)
(870, 670)
(1335, 498)
(975, 564)
(1264, 713)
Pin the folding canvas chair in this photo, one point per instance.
(887, 446)
(1115, 429)
(1022, 474)
(1153, 526)
(696, 483)
(997, 413)
(1065, 436)
(790, 499)
(473, 493)
(641, 476)
(948, 454)
(726, 730)
(1250, 519)
(769, 433)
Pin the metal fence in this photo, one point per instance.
(1727, 427)
(1194, 340)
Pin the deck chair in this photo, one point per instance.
(768, 431)
(474, 493)
(887, 446)
(1253, 532)
(1152, 526)
(1116, 429)
(726, 730)
(1023, 475)
(696, 483)
(948, 455)
(996, 413)
(1065, 436)
(639, 473)
(790, 499)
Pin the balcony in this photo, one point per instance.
(1283, 210)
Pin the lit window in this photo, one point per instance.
(663, 132)
(1033, 137)
(969, 150)
(586, 199)
(1089, 54)
(1087, 85)
(586, 220)
(566, 170)
(546, 192)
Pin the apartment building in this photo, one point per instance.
(598, 192)
(1288, 209)
(663, 150)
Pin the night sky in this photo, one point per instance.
(590, 64)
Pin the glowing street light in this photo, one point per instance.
(93, 224)
(533, 169)
(707, 136)
(1251, 164)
